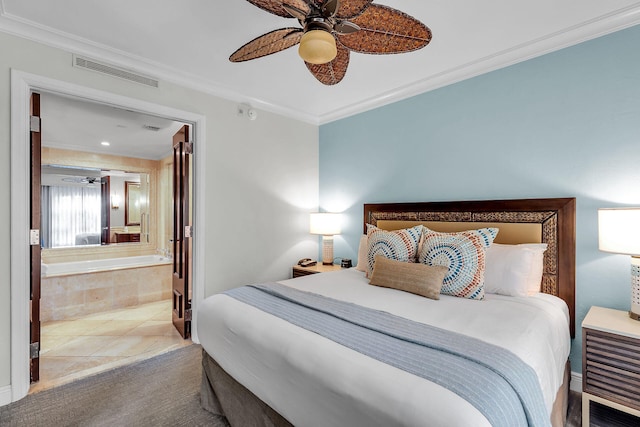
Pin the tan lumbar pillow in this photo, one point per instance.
(419, 279)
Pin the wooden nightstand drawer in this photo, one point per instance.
(299, 271)
(612, 367)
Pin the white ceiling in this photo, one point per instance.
(80, 125)
(188, 42)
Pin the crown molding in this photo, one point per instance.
(33, 31)
(603, 25)
(585, 31)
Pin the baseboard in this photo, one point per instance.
(5, 395)
(576, 382)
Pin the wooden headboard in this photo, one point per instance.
(550, 221)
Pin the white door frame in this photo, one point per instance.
(22, 84)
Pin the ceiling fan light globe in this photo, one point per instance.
(317, 47)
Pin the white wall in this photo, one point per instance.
(261, 178)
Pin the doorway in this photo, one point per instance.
(22, 85)
(104, 190)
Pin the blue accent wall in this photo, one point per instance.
(566, 124)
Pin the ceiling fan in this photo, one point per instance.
(89, 180)
(333, 28)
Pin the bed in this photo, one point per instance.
(261, 367)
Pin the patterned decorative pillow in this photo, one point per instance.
(464, 254)
(362, 254)
(399, 245)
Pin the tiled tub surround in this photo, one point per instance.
(68, 292)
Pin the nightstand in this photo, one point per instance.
(318, 268)
(610, 368)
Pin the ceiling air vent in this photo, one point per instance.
(151, 127)
(90, 64)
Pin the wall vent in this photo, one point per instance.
(90, 64)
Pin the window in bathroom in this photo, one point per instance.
(70, 215)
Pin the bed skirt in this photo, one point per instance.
(222, 395)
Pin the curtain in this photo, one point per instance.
(45, 217)
(70, 216)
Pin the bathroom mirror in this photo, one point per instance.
(132, 203)
(82, 206)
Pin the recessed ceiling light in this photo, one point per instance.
(105, 143)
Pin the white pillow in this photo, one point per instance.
(362, 254)
(537, 269)
(514, 270)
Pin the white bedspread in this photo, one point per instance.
(313, 381)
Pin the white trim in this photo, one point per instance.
(5, 395)
(615, 21)
(48, 36)
(576, 382)
(20, 278)
(22, 84)
(598, 27)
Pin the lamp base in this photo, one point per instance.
(634, 313)
(327, 250)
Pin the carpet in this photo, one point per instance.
(162, 391)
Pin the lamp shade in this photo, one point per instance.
(619, 230)
(317, 47)
(326, 224)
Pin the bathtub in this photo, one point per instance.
(73, 289)
(110, 264)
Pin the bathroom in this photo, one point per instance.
(106, 238)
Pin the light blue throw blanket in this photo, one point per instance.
(494, 380)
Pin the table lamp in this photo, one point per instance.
(619, 232)
(327, 225)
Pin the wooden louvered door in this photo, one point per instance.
(182, 232)
(105, 210)
(611, 366)
(34, 237)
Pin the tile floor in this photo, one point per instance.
(72, 349)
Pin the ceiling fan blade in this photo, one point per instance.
(386, 30)
(271, 6)
(299, 9)
(329, 8)
(332, 72)
(266, 44)
(349, 9)
(300, 15)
